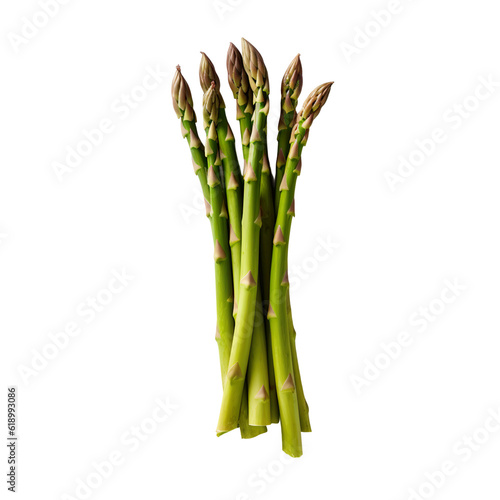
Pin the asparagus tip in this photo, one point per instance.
(212, 102)
(181, 96)
(237, 78)
(291, 85)
(313, 104)
(207, 73)
(254, 67)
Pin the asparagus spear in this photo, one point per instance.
(238, 362)
(233, 180)
(242, 92)
(223, 276)
(291, 87)
(266, 249)
(183, 106)
(277, 314)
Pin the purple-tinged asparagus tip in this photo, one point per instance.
(292, 79)
(314, 102)
(207, 73)
(254, 67)
(181, 96)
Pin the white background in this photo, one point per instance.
(133, 203)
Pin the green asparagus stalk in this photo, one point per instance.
(305, 424)
(183, 106)
(291, 87)
(242, 92)
(266, 247)
(259, 404)
(242, 340)
(247, 431)
(277, 314)
(258, 378)
(223, 276)
(266, 250)
(233, 180)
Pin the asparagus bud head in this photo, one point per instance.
(291, 84)
(181, 96)
(208, 73)
(237, 77)
(255, 68)
(212, 101)
(313, 104)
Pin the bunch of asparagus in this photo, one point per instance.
(251, 214)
